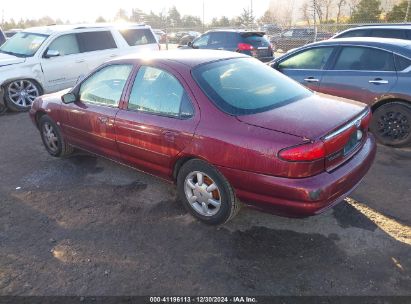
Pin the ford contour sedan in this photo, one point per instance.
(224, 127)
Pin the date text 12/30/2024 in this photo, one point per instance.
(194, 300)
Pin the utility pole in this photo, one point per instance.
(408, 11)
(203, 17)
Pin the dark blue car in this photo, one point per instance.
(376, 71)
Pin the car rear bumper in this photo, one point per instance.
(305, 196)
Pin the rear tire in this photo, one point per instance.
(52, 138)
(206, 193)
(391, 124)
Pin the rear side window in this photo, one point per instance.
(388, 33)
(354, 33)
(402, 63)
(408, 34)
(65, 45)
(158, 92)
(364, 59)
(96, 41)
(138, 36)
(256, 41)
(312, 59)
(246, 86)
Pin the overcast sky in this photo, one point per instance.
(89, 10)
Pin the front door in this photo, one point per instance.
(157, 123)
(307, 66)
(63, 70)
(90, 120)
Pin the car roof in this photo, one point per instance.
(399, 46)
(51, 29)
(189, 58)
(234, 31)
(382, 26)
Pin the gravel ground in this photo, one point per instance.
(88, 226)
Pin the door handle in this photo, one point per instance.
(169, 135)
(311, 79)
(80, 61)
(103, 119)
(378, 81)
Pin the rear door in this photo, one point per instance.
(260, 44)
(158, 121)
(360, 73)
(307, 66)
(89, 122)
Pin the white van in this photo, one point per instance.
(51, 58)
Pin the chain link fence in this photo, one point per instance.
(282, 39)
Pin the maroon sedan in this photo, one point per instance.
(224, 126)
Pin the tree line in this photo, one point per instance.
(325, 11)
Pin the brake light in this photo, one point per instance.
(305, 152)
(245, 47)
(365, 122)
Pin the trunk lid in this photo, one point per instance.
(310, 118)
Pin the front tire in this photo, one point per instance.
(52, 138)
(20, 94)
(391, 124)
(205, 193)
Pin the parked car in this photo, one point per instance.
(175, 37)
(12, 32)
(242, 41)
(189, 37)
(47, 59)
(383, 31)
(297, 37)
(271, 29)
(224, 126)
(370, 70)
(2, 37)
(160, 35)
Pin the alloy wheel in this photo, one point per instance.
(393, 125)
(50, 137)
(202, 193)
(22, 92)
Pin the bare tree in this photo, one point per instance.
(340, 5)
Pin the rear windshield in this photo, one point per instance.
(138, 36)
(256, 40)
(246, 86)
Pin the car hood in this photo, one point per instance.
(6, 59)
(311, 117)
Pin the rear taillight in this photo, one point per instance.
(245, 47)
(303, 153)
(365, 122)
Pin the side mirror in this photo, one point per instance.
(68, 98)
(52, 53)
(190, 44)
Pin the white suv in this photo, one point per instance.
(47, 59)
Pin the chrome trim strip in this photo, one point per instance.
(347, 126)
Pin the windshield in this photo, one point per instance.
(247, 86)
(23, 44)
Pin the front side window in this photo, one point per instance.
(364, 59)
(246, 86)
(65, 45)
(158, 92)
(138, 36)
(312, 59)
(201, 42)
(105, 86)
(23, 44)
(96, 41)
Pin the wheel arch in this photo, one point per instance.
(382, 102)
(39, 114)
(183, 159)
